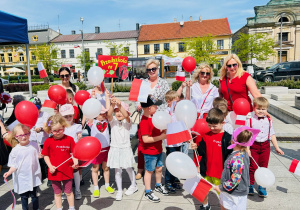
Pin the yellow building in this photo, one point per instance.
(154, 39)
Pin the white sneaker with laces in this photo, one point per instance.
(131, 190)
(119, 196)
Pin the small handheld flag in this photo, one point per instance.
(295, 167)
(42, 70)
(197, 187)
(177, 133)
(180, 76)
(139, 90)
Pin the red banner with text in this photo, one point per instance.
(114, 66)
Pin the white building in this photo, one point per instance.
(70, 46)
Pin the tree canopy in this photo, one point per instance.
(118, 49)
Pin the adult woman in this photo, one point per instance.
(202, 92)
(3, 149)
(65, 75)
(235, 82)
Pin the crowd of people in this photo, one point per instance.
(222, 154)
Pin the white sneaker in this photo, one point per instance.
(131, 190)
(119, 196)
(77, 195)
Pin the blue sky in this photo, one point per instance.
(109, 13)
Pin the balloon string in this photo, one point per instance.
(63, 162)
(255, 162)
(190, 76)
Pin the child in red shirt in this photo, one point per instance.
(213, 149)
(56, 150)
(150, 139)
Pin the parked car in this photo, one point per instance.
(255, 67)
(280, 71)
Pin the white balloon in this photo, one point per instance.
(95, 75)
(264, 177)
(181, 165)
(91, 108)
(161, 119)
(186, 111)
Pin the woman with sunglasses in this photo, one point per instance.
(65, 75)
(235, 82)
(202, 92)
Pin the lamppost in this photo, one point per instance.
(281, 35)
(83, 57)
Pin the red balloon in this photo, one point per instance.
(27, 113)
(58, 94)
(87, 148)
(201, 127)
(189, 64)
(241, 106)
(81, 96)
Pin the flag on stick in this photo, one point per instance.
(177, 133)
(295, 167)
(180, 76)
(139, 90)
(197, 187)
(42, 70)
(76, 46)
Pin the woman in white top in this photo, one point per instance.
(202, 93)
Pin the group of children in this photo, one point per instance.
(223, 153)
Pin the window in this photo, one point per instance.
(10, 57)
(284, 20)
(112, 51)
(99, 52)
(156, 48)
(126, 50)
(220, 44)
(71, 52)
(285, 36)
(295, 65)
(166, 46)
(33, 56)
(2, 58)
(21, 57)
(146, 49)
(63, 53)
(181, 47)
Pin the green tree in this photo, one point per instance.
(118, 49)
(170, 53)
(202, 49)
(249, 46)
(88, 61)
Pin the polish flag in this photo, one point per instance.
(240, 120)
(42, 70)
(197, 187)
(49, 104)
(76, 46)
(139, 90)
(295, 167)
(177, 133)
(180, 76)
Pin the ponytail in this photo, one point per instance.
(73, 86)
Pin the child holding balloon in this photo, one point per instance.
(24, 165)
(75, 131)
(235, 179)
(57, 149)
(120, 154)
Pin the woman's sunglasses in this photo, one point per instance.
(233, 65)
(153, 69)
(203, 73)
(64, 76)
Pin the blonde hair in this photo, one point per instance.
(171, 95)
(199, 68)
(11, 137)
(223, 71)
(54, 120)
(260, 102)
(218, 100)
(243, 137)
(150, 61)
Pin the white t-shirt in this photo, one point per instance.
(120, 135)
(28, 174)
(101, 132)
(100, 97)
(197, 97)
(227, 126)
(73, 130)
(41, 136)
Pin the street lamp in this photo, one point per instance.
(83, 57)
(281, 35)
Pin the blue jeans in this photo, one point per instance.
(153, 161)
(169, 178)
(34, 199)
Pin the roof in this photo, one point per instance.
(214, 27)
(94, 36)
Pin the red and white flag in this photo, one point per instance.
(197, 187)
(180, 76)
(49, 104)
(177, 133)
(240, 120)
(76, 46)
(139, 90)
(42, 70)
(295, 167)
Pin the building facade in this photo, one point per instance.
(276, 18)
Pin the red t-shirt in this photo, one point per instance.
(76, 114)
(214, 159)
(58, 151)
(146, 127)
(237, 88)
